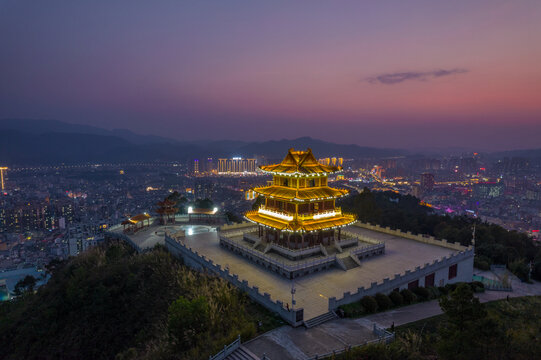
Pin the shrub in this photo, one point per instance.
(434, 292)
(188, 320)
(451, 287)
(520, 269)
(408, 296)
(443, 290)
(353, 309)
(383, 301)
(422, 293)
(481, 263)
(396, 298)
(369, 304)
(478, 284)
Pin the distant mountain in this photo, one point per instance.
(18, 148)
(36, 142)
(45, 126)
(278, 148)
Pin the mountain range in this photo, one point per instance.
(43, 142)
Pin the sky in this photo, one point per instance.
(401, 74)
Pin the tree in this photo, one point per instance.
(204, 204)
(468, 330)
(24, 285)
(187, 320)
(260, 200)
(232, 217)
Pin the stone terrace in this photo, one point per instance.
(314, 290)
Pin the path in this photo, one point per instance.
(299, 343)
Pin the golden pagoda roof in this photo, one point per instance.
(300, 226)
(136, 219)
(314, 193)
(300, 163)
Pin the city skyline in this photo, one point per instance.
(393, 75)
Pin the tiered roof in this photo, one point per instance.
(300, 226)
(300, 163)
(314, 193)
(166, 207)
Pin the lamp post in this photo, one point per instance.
(293, 290)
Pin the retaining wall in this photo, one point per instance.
(194, 259)
(440, 269)
(124, 237)
(239, 226)
(408, 235)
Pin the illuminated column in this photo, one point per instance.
(2, 176)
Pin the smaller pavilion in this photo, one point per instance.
(136, 223)
(202, 215)
(167, 210)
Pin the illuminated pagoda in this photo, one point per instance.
(300, 209)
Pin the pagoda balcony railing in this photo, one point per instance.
(337, 211)
(275, 213)
(265, 210)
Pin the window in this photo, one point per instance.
(453, 269)
(429, 280)
(413, 285)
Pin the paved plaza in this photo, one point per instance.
(150, 236)
(314, 290)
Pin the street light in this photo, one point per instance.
(293, 290)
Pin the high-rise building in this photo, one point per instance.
(2, 169)
(196, 166)
(236, 165)
(427, 182)
(489, 189)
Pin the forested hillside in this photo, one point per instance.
(110, 303)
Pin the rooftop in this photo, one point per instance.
(288, 193)
(300, 163)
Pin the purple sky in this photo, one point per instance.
(376, 73)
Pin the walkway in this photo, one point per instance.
(300, 343)
(287, 343)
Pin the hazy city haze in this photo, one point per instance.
(394, 74)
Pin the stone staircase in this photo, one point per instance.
(349, 263)
(320, 319)
(323, 250)
(242, 353)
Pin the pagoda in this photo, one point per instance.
(167, 210)
(300, 209)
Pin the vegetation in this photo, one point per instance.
(384, 303)
(396, 298)
(505, 329)
(179, 200)
(26, 284)
(112, 303)
(369, 304)
(493, 244)
(381, 302)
